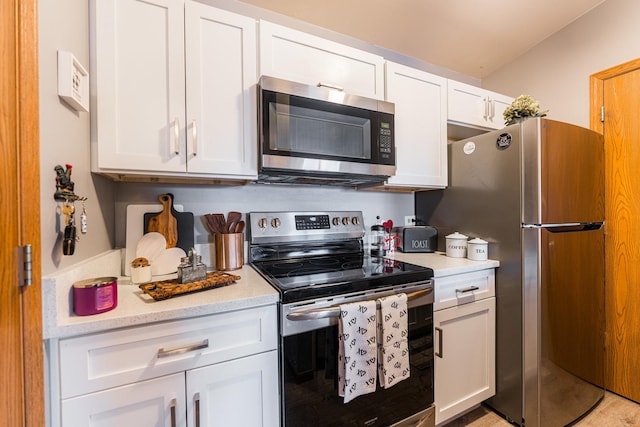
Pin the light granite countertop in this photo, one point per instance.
(134, 306)
(443, 265)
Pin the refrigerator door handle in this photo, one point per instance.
(566, 228)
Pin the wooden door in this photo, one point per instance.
(21, 387)
(617, 91)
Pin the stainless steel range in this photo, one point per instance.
(317, 261)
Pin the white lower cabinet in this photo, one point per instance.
(242, 392)
(158, 402)
(464, 350)
(219, 369)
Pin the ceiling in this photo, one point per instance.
(472, 37)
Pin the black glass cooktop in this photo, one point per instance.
(299, 279)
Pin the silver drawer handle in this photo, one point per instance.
(466, 290)
(334, 311)
(330, 86)
(181, 350)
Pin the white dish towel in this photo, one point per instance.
(357, 350)
(393, 344)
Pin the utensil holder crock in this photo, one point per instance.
(229, 251)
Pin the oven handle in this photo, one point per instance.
(334, 311)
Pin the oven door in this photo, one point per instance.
(301, 132)
(309, 368)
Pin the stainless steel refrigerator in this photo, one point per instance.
(535, 192)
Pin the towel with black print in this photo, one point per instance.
(393, 342)
(357, 349)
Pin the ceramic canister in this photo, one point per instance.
(477, 249)
(456, 245)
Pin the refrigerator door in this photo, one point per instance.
(563, 323)
(563, 170)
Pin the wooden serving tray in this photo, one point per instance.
(168, 288)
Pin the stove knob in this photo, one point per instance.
(262, 223)
(335, 221)
(345, 220)
(355, 220)
(275, 222)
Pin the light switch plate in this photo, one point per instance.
(73, 81)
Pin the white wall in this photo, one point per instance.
(556, 72)
(64, 24)
(64, 138)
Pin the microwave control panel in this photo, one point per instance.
(385, 138)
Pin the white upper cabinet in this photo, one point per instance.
(474, 106)
(174, 89)
(304, 58)
(221, 93)
(420, 119)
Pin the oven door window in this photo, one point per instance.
(310, 380)
(302, 127)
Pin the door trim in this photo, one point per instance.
(596, 83)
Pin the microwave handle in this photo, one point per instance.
(330, 86)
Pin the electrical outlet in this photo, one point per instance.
(410, 220)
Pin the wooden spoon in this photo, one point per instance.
(210, 222)
(220, 223)
(232, 220)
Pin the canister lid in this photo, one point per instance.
(95, 283)
(477, 241)
(456, 235)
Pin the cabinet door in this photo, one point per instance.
(421, 126)
(241, 392)
(464, 357)
(137, 78)
(159, 402)
(474, 106)
(221, 92)
(500, 103)
(300, 57)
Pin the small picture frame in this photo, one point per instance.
(73, 81)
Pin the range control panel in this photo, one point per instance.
(269, 227)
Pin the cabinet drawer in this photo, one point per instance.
(99, 361)
(457, 289)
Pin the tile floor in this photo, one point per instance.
(613, 411)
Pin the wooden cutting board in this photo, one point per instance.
(176, 227)
(168, 288)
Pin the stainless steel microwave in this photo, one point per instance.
(320, 135)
